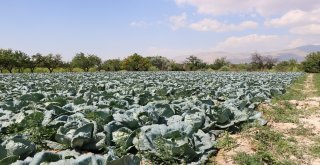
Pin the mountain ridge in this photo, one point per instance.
(297, 53)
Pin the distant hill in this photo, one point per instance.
(298, 53)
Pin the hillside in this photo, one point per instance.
(297, 53)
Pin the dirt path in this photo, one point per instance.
(310, 120)
(304, 131)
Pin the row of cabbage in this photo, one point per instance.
(126, 117)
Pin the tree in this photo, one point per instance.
(161, 63)
(269, 62)
(262, 62)
(136, 62)
(175, 66)
(112, 65)
(21, 60)
(285, 66)
(68, 66)
(2, 57)
(97, 62)
(8, 60)
(194, 63)
(51, 62)
(311, 64)
(85, 62)
(219, 63)
(257, 61)
(34, 61)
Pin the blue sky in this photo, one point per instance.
(118, 28)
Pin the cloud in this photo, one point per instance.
(139, 24)
(296, 43)
(295, 17)
(253, 42)
(214, 25)
(262, 7)
(298, 21)
(311, 29)
(178, 21)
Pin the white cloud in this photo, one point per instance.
(311, 29)
(295, 17)
(214, 25)
(178, 21)
(139, 24)
(296, 43)
(299, 22)
(253, 42)
(263, 7)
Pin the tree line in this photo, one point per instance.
(18, 61)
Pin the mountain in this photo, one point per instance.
(297, 53)
(309, 48)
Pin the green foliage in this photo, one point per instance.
(226, 142)
(272, 148)
(312, 63)
(259, 158)
(301, 131)
(225, 68)
(294, 91)
(317, 83)
(153, 68)
(275, 142)
(67, 66)
(176, 67)
(173, 117)
(86, 62)
(219, 63)
(287, 66)
(243, 158)
(136, 62)
(283, 112)
(161, 63)
(112, 65)
(9, 160)
(194, 63)
(34, 61)
(51, 62)
(315, 148)
(10, 59)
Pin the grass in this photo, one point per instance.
(315, 148)
(270, 140)
(317, 83)
(282, 112)
(259, 158)
(301, 130)
(226, 142)
(294, 92)
(271, 148)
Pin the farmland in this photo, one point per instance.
(121, 117)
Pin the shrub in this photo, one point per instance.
(312, 63)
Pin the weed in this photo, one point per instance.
(243, 158)
(301, 131)
(317, 83)
(283, 112)
(226, 142)
(275, 142)
(294, 92)
(315, 148)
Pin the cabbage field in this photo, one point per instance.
(127, 117)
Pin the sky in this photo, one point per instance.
(119, 28)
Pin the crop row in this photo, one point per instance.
(126, 117)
